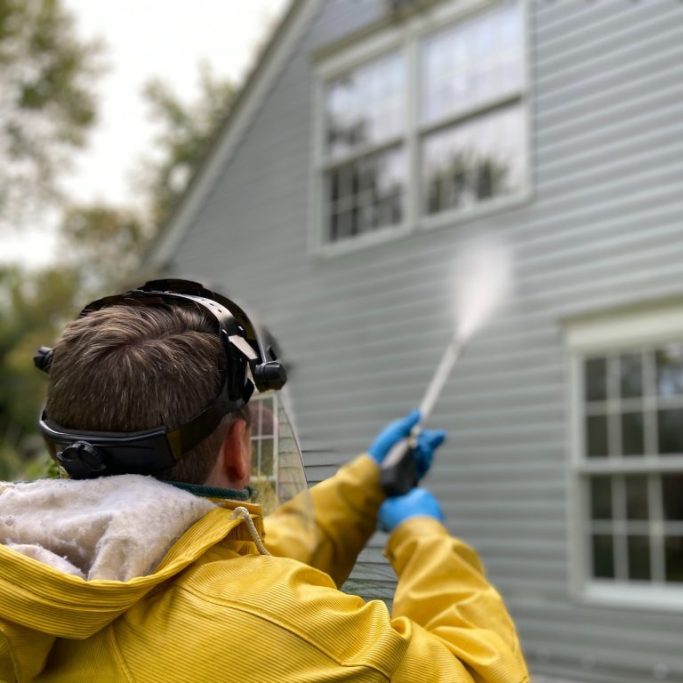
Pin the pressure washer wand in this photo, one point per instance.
(398, 473)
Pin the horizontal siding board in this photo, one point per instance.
(629, 25)
(560, 26)
(623, 160)
(613, 54)
(614, 106)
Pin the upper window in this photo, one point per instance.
(424, 122)
(629, 460)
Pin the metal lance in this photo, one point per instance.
(398, 472)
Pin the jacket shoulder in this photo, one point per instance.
(244, 607)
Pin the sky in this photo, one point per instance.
(147, 39)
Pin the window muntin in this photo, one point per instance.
(366, 194)
(440, 119)
(632, 412)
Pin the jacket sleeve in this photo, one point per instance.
(443, 597)
(327, 526)
(448, 625)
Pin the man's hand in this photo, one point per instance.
(427, 442)
(416, 503)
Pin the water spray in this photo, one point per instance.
(483, 281)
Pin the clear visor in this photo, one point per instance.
(277, 468)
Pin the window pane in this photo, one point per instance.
(672, 496)
(631, 375)
(595, 379)
(673, 551)
(340, 225)
(669, 361)
(636, 497)
(477, 160)
(632, 434)
(262, 417)
(601, 497)
(670, 427)
(638, 558)
(365, 106)
(596, 436)
(472, 62)
(375, 198)
(603, 556)
(267, 458)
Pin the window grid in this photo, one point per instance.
(615, 545)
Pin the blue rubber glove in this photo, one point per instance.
(427, 442)
(416, 503)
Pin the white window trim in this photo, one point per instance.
(406, 37)
(650, 324)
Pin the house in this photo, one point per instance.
(374, 141)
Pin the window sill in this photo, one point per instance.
(366, 241)
(632, 596)
(457, 217)
(446, 219)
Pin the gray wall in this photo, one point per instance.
(365, 330)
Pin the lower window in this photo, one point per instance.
(630, 464)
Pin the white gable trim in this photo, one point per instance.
(253, 95)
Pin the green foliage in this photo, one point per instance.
(47, 103)
(185, 134)
(104, 243)
(33, 310)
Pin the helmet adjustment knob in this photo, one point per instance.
(82, 460)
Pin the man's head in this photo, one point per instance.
(125, 369)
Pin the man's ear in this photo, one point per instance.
(233, 465)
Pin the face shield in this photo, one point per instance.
(277, 469)
(278, 479)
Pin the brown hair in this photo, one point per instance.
(132, 368)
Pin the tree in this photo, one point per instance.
(186, 130)
(32, 309)
(47, 104)
(103, 244)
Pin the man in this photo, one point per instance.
(114, 576)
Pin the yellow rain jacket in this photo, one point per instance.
(97, 584)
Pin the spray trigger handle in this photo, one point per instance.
(398, 471)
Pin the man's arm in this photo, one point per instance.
(328, 526)
(443, 589)
(448, 625)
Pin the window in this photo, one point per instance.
(628, 478)
(419, 123)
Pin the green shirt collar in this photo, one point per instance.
(244, 494)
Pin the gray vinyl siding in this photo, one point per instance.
(365, 330)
